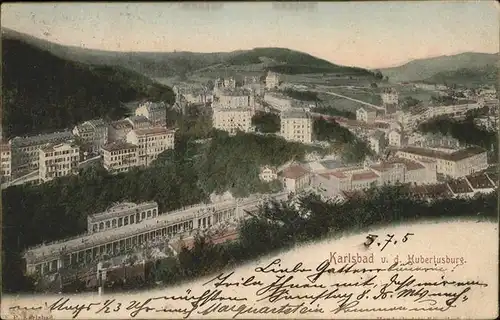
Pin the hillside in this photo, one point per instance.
(422, 69)
(43, 92)
(171, 64)
(470, 78)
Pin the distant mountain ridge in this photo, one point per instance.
(167, 64)
(44, 92)
(426, 69)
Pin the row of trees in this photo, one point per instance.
(266, 122)
(282, 225)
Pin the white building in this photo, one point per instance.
(454, 164)
(6, 161)
(25, 150)
(120, 215)
(151, 142)
(230, 99)
(119, 156)
(366, 115)
(296, 126)
(156, 113)
(389, 96)
(93, 133)
(233, 120)
(118, 130)
(395, 137)
(268, 174)
(58, 160)
(295, 178)
(377, 141)
(272, 80)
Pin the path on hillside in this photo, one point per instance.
(352, 99)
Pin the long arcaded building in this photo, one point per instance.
(119, 228)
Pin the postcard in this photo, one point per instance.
(253, 160)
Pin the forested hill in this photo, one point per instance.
(42, 92)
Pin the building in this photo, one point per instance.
(139, 122)
(377, 141)
(233, 120)
(121, 215)
(151, 142)
(231, 99)
(295, 178)
(119, 156)
(6, 160)
(416, 172)
(88, 248)
(395, 137)
(230, 83)
(268, 174)
(25, 150)
(366, 115)
(118, 130)
(58, 160)
(454, 164)
(272, 80)
(93, 134)
(296, 126)
(156, 113)
(489, 123)
(389, 96)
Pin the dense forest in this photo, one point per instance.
(465, 131)
(266, 122)
(282, 225)
(301, 95)
(353, 149)
(331, 111)
(42, 92)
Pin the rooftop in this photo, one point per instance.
(124, 207)
(294, 172)
(454, 156)
(410, 164)
(377, 134)
(119, 145)
(40, 139)
(138, 119)
(294, 114)
(51, 147)
(121, 124)
(480, 181)
(153, 131)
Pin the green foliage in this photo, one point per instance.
(266, 122)
(301, 95)
(354, 150)
(443, 100)
(331, 111)
(465, 131)
(45, 93)
(409, 102)
(233, 163)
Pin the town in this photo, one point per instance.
(244, 140)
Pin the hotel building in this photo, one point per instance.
(58, 160)
(296, 126)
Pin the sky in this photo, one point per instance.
(363, 34)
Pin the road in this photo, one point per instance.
(352, 99)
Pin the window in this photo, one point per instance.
(108, 224)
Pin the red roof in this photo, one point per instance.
(367, 175)
(294, 172)
(410, 165)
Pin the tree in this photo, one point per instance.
(409, 103)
